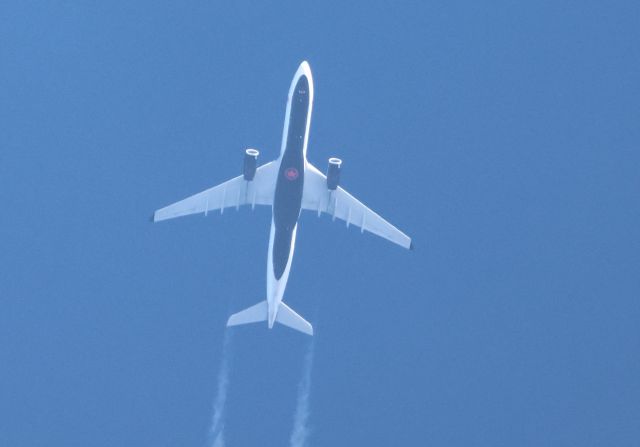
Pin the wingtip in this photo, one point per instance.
(152, 218)
(411, 246)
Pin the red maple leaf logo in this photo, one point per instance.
(291, 173)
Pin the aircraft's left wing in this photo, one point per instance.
(232, 193)
(341, 204)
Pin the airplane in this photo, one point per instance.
(288, 184)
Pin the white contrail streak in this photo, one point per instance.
(300, 431)
(216, 432)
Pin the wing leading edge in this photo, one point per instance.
(232, 193)
(341, 204)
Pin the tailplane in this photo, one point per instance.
(259, 312)
(288, 317)
(251, 314)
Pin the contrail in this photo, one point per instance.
(216, 432)
(300, 431)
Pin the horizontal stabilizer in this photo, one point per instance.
(253, 314)
(289, 318)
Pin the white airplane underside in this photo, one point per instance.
(289, 185)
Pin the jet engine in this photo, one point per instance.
(250, 164)
(333, 173)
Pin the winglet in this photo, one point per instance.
(411, 245)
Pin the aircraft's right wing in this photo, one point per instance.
(341, 204)
(234, 192)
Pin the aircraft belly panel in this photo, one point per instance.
(290, 184)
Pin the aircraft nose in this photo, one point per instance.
(305, 69)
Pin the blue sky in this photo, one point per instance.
(502, 136)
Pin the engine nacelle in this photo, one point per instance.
(333, 173)
(250, 164)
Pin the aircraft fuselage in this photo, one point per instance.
(287, 201)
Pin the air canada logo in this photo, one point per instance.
(291, 174)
